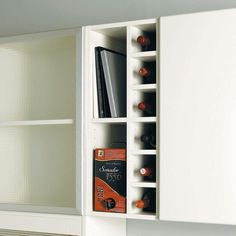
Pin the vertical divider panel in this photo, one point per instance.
(88, 162)
(157, 119)
(129, 77)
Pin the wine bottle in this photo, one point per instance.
(148, 173)
(147, 108)
(109, 203)
(149, 140)
(148, 201)
(148, 73)
(147, 41)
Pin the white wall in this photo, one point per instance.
(25, 16)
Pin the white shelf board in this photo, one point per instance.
(38, 222)
(145, 56)
(144, 152)
(108, 214)
(36, 122)
(144, 185)
(109, 120)
(142, 216)
(145, 119)
(145, 87)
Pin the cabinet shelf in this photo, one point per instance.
(38, 222)
(145, 119)
(36, 122)
(145, 56)
(144, 184)
(143, 216)
(108, 214)
(109, 120)
(145, 87)
(144, 152)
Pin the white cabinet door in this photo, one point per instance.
(198, 117)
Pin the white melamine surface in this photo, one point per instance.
(37, 79)
(44, 223)
(38, 165)
(197, 117)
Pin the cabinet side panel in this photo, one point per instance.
(197, 117)
(79, 119)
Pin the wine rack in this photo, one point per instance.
(126, 131)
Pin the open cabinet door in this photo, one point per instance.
(198, 117)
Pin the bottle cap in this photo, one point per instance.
(142, 106)
(142, 203)
(144, 72)
(142, 40)
(145, 171)
(145, 138)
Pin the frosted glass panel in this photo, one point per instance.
(37, 79)
(38, 165)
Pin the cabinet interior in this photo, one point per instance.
(37, 117)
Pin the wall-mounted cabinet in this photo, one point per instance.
(110, 132)
(193, 93)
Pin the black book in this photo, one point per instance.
(114, 69)
(103, 106)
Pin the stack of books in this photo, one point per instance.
(109, 83)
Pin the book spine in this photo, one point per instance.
(99, 84)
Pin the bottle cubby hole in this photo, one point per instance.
(143, 104)
(138, 67)
(109, 136)
(140, 129)
(38, 79)
(145, 161)
(148, 30)
(138, 194)
(114, 40)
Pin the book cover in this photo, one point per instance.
(114, 68)
(102, 97)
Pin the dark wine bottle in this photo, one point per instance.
(148, 201)
(149, 140)
(147, 41)
(148, 173)
(147, 108)
(148, 73)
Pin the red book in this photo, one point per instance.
(110, 180)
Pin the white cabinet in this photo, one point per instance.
(197, 117)
(102, 132)
(39, 162)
